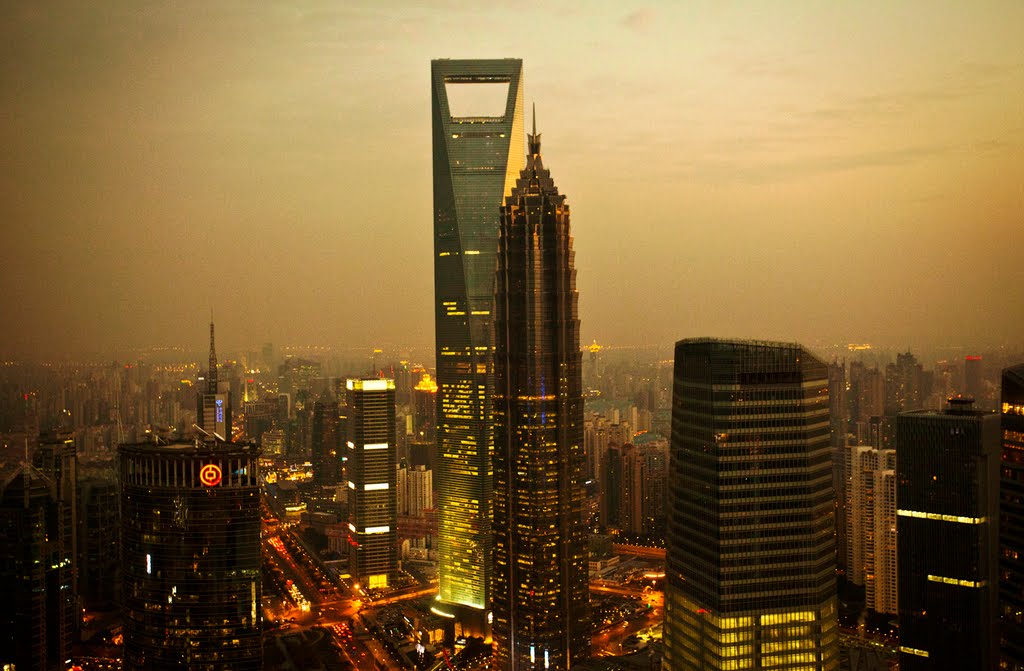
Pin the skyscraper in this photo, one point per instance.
(213, 411)
(540, 593)
(37, 622)
(190, 541)
(477, 158)
(1011, 521)
(751, 548)
(947, 474)
(372, 490)
(326, 442)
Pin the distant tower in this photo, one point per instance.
(947, 474)
(973, 378)
(751, 549)
(540, 592)
(190, 539)
(372, 487)
(1011, 520)
(213, 409)
(476, 162)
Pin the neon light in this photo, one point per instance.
(149, 564)
(375, 446)
(210, 475)
(219, 413)
(377, 530)
(375, 486)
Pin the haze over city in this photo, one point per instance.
(818, 173)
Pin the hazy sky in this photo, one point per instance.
(812, 171)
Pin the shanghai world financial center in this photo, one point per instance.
(477, 158)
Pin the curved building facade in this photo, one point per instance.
(190, 538)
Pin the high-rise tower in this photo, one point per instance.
(947, 475)
(540, 593)
(477, 158)
(372, 491)
(190, 542)
(751, 549)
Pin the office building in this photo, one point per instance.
(1011, 521)
(190, 542)
(751, 548)
(37, 622)
(99, 529)
(478, 154)
(415, 491)
(213, 411)
(947, 473)
(372, 504)
(326, 443)
(974, 379)
(540, 592)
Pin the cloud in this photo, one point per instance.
(638, 21)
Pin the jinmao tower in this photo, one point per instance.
(478, 154)
(540, 590)
(750, 560)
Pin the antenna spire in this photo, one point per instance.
(212, 374)
(534, 139)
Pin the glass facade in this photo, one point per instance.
(751, 543)
(1011, 521)
(476, 162)
(190, 538)
(947, 480)
(372, 492)
(540, 592)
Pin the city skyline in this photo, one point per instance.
(875, 147)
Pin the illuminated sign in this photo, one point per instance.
(220, 411)
(209, 475)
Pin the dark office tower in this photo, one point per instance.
(99, 526)
(540, 593)
(751, 551)
(37, 618)
(56, 457)
(326, 441)
(973, 378)
(213, 411)
(1011, 521)
(839, 427)
(190, 543)
(477, 157)
(947, 475)
(372, 491)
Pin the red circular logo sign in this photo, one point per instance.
(209, 475)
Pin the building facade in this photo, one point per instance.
(541, 591)
(190, 542)
(1011, 520)
(372, 490)
(751, 550)
(476, 160)
(947, 472)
